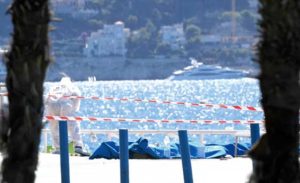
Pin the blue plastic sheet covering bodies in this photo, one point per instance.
(141, 149)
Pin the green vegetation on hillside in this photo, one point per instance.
(145, 17)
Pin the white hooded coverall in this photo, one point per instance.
(58, 105)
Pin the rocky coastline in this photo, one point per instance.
(119, 68)
(114, 68)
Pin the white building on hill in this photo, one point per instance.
(108, 41)
(173, 35)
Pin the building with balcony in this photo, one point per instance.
(109, 41)
(173, 35)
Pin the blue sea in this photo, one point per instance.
(242, 91)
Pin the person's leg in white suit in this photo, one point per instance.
(74, 132)
(53, 110)
(73, 129)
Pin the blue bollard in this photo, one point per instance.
(64, 152)
(124, 155)
(254, 133)
(185, 156)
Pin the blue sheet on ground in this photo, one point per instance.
(142, 149)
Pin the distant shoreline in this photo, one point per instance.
(119, 68)
(114, 68)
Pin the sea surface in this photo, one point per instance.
(241, 91)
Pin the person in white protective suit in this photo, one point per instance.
(59, 105)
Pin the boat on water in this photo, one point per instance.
(3, 49)
(198, 71)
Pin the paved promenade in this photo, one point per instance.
(83, 170)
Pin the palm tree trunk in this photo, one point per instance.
(275, 157)
(26, 63)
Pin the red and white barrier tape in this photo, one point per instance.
(3, 94)
(70, 118)
(187, 104)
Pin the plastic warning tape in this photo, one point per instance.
(3, 94)
(187, 104)
(70, 118)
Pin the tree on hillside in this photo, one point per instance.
(275, 156)
(191, 31)
(248, 20)
(142, 43)
(132, 22)
(193, 40)
(5, 23)
(163, 49)
(26, 63)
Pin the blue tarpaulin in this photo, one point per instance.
(142, 150)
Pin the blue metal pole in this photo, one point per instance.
(64, 152)
(254, 133)
(124, 156)
(185, 156)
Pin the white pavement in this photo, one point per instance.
(83, 170)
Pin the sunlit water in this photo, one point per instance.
(244, 92)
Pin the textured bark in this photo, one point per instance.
(26, 64)
(275, 157)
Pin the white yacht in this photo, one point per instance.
(198, 71)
